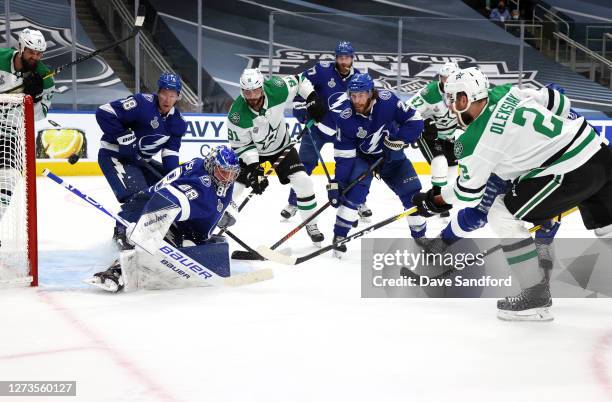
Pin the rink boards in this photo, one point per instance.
(203, 132)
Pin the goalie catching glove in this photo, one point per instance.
(425, 204)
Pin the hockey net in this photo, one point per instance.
(18, 243)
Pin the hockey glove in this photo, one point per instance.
(334, 193)
(226, 221)
(256, 179)
(33, 86)
(390, 146)
(425, 203)
(128, 146)
(430, 131)
(316, 109)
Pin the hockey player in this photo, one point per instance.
(184, 208)
(135, 130)
(21, 67)
(372, 124)
(258, 133)
(554, 163)
(438, 137)
(25, 66)
(329, 81)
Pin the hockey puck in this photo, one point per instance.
(72, 159)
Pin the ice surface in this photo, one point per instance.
(306, 335)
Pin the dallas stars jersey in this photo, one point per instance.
(520, 134)
(8, 80)
(429, 101)
(252, 133)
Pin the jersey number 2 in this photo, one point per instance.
(550, 128)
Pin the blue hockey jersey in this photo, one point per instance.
(328, 84)
(363, 135)
(191, 187)
(154, 132)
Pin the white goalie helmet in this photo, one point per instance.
(32, 39)
(471, 81)
(448, 68)
(251, 78)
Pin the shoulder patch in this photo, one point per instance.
(277, 82)
(385, 95)
(458, 149)
(234, 118)
(148, 97)
(206, 182)
(325, 64)
(346, 113)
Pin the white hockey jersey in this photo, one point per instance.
(252, 133)
(521, 133)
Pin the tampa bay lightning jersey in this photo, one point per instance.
(190, 187)
(363, 135)
(154, 132)
(328, 84)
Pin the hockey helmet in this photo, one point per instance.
(32, 39)
(169, 81)
(360, 83)
(344, 48)
(223, 165)
(251, 79)
(470, 81)
(448, 68)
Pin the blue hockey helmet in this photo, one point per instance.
(360, 83)
(556, 87)
(169, 81)
(223, 166)
(344, 48)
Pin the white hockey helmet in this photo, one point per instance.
(32, 39)
(470, 81)
(251, 79)
(448, 68)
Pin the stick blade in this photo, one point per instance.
(276, 256)
(247, 278)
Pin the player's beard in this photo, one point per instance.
(344, 69)
(256, 104)
(27, 65)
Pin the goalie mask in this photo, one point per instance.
(471, 82)
(223, 166)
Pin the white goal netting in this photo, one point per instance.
(17, 267)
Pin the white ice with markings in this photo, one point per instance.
(306, 335)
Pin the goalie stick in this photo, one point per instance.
(291, 260)
(408, 273)
(246, 255)
(199, 272)
(138, 23)
(278, 161)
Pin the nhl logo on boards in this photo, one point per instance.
(235, 117)
(361, 133)
(458, 149)
(205, 181)
(346, 113)
(384, 95)
(154, 123)
(331, 83)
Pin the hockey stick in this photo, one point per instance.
(248, 256)
(177, 259)
(290, 260)
(278, 161)
(406, 272)
(319, 155)
(138, 22)
(249, 250)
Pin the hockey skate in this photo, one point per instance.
(110, 280)
(339, 251)
(315, 234)
(531, 304)
(289, 211)
(120, 239)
